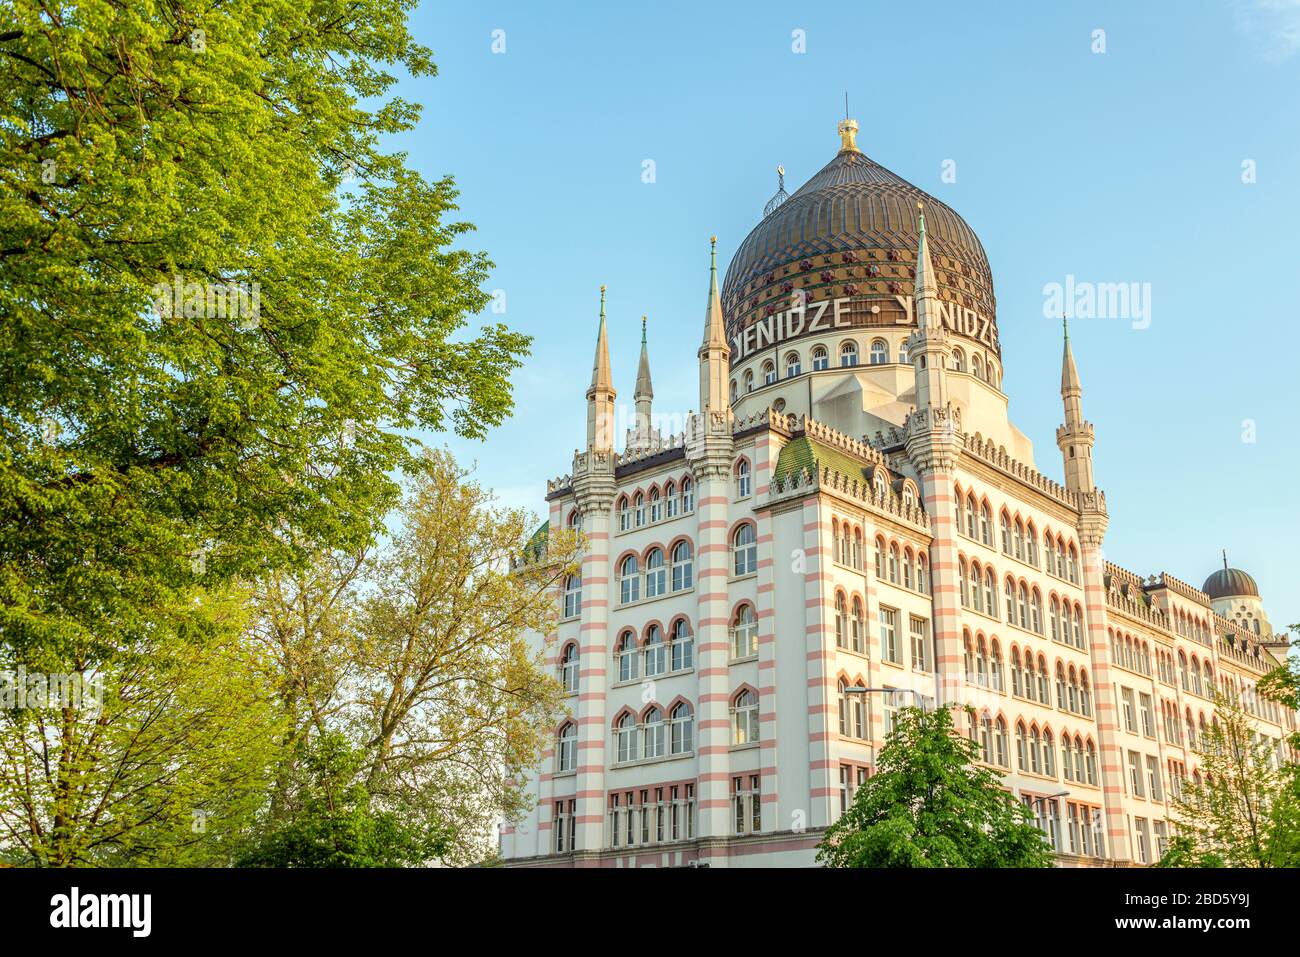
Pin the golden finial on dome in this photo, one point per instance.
(713, 240)
(848, 135)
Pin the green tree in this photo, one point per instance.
(418, 655)
(930, 804)
(333, 823)
(1245, 810)
(164, 758)
(151, 442)
(1282, 684)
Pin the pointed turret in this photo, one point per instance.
(1075, 438)
(642, 435)
(930, 347)
(600, 396)
(714, 352)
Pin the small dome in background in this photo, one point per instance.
(1230, 583)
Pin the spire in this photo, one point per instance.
(644, 390)
(1070, 382)
(714, 353)
(926, 291)
(600, 397)
(600, 374)
(714, 331)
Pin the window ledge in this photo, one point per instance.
(659, 759)
(743, 659)
(747, 746)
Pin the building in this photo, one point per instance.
(852, 508)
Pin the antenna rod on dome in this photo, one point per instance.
(846, 104)
(1225, 559)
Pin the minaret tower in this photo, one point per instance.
(934, 441)
(642, 435)
(714, 352)
(930, 347)
(1075, 437)
(600, 397)
(594, 487)
(709, 453)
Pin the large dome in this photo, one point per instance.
(1230, 583)
(851, 233)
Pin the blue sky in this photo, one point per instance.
(1122, 166)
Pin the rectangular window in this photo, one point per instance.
(889, 635)
(1130, 723)
(920, 628)
(1148, 716)
(1162, 839)
(1143, 840)
(1135, 773)
(1153, 778)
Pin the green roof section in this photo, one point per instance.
(805, 453)
(537, 542)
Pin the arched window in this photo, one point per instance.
(572, 596)
(843, 701)
(683, 566)
(688, 496)
(879, 352)
(656, 574)
(976, 585)
(1020, 540)
(683, 728)
(569, 668)
(744, 718)
(981, 663)
(734, 391)
(1060, 685)
(742, 478)
(745, 550)
(995, 667)
(1049, 555)
(848, 354)
(893, 563)
(629, 580)
(1085, 697)
(977, 367)
(908, 566)
(1024, 606)
(1000, 743)
(991, 592)
(820, 358)
(958, 360)
(791, 364)
(624, 514)
(1004, 524)
(1011, 602)
(749, 381)
(1049, 755)
(1036, 613)
(1031, 545)
(1044, 695)
(922, 575)
(671, 503)
(1078, 627)
(857, 626)
(625, 738)
(682, 643)
(638, 506)
(1092, 764)
(1017, 688)
(970, 516)
(858, 711)
(656, 506)
(1035, 752)
(654, 733)
(841, 621)
(656, 653)
(1022, 748)
(627, 657)
(1053, 615)
(566, 753)
(744, 633)
(902, 352)
(769, 372)
(986, 525)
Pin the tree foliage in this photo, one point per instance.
(930, 804)
(417, 655)
(1246, 808)
(165, 763)
(147, 447)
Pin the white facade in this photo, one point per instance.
(847, 512)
